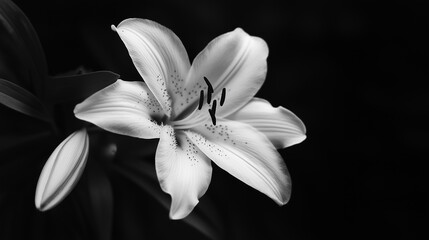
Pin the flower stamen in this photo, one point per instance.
(222, 98)
(213, 112)
(209, 91)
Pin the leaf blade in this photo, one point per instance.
(76, 88)
(21, 100)
(22, 59)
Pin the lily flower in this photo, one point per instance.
(241, 136)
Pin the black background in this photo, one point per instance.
(355, 72)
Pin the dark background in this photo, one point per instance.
(355, 72)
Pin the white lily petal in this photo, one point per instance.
(247, 154)
(127, 108)
(235, 61)
(159, 56)
(183, 171)
(280, 125)
(62, 170)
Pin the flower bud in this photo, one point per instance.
(62, 170)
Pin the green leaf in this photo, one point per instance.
(143, 175)
(73, 89)
(19, 99)
(22, 60)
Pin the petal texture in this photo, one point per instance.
(280, 125)
(183, 171)
(235, 61)
(159, 56)
(246, 154)
(62, 170)
(127, 108)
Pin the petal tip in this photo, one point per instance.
(77, 111)
(283, 202)
(298, 139)
(41, 207)
(38, 204)
(176, 215)
(239, 29)
(285, 196)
